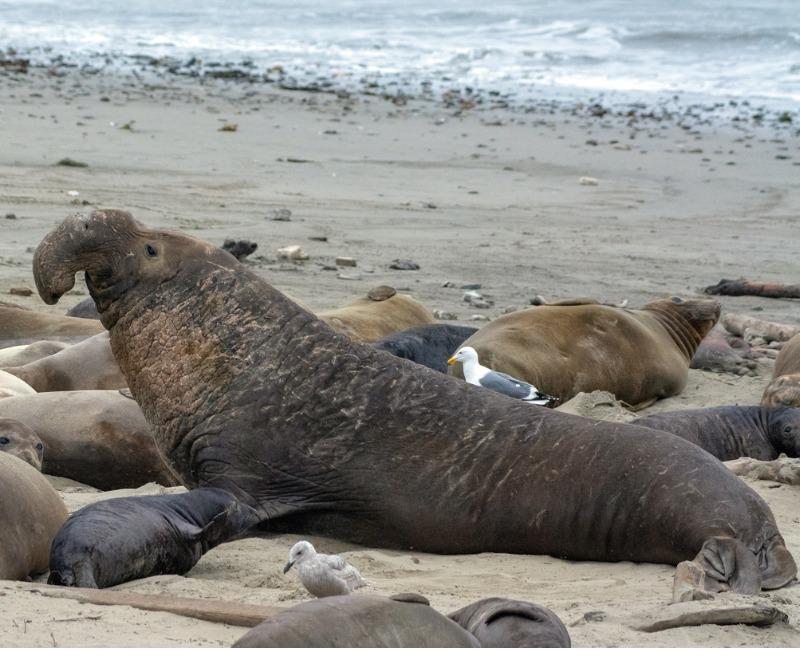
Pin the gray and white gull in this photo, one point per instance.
(323, 575)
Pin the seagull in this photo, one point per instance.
(321, 574)
(481, 376)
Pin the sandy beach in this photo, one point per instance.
(485, 195)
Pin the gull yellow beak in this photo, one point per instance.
(451, 361)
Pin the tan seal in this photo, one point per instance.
(21, 441)
(784, 390)
(17, 322)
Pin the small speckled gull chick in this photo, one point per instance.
(481, 376)
(321, 574)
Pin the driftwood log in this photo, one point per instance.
(750, 328)
(744, 287)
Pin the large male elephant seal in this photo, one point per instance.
(359, 621)
(17, 322)
(733, 432)
(248, 392)
(563, 349)
(87, 365)
(380, 313)
(122, 539)
(508, 623)
(21, 441)
(99, 438)
(429, 345)
(784, 390)
(27, 353)
(31, 513)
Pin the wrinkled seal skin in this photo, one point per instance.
(118, 540)
(88, 365)
(733, 432)
(784, 390)
(248, 392)
(508, 623)
(638, 355)
(21, 441)
(429, 345)
(31, 513)
(359, 621)
(99, 438)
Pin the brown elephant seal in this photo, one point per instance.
(248, 392)
(87, 365)
(31, 513)
(508, 623)
(733, 432)
(99, 438)
(380, 313)
(11, 386)
(784, 390)
(17, 322)
(21, 441)
(638, 355)
(27, 353)
(111, 542)
(359, 621)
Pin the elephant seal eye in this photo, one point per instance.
(677, 299)
(150, 250)
(787, 429)
(3, 440)
(40, 446)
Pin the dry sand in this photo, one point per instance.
(482, 197)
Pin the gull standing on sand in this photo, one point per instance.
(323, 575)
(481, 376)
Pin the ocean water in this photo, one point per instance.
(743, 49)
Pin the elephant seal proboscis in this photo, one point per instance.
(562, 349)
(99, 438)
(122, 539)
(27, 353)
(87, 365)
(733, 432)
(508, 623)
(784, 390)
(31, 512)
(247, 391)
(21, 441)
(359, 621)
(17, 322)
(11, 386)
(429, 345)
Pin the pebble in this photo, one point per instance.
(10, 215)
(588, 180)
(343, 261)
(318, 238)
(20, 291)
(70, 162)
(348, 276)
(404, 265)
(477, 300)
(445, 316)
(231, 127)
(292, 252)
(281, 215)
(479, 317)
(538, 300)
(471, 286)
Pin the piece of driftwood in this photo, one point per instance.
(210, 610)
(744, 287)
(750, 328)
(784, 470)
(698, 613)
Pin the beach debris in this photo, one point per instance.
(750, 329)
(404, 265)
(744, 287)
(688, 583)
(588, 180)
(476, 299)
(698, 613)
(280, 215)
(10, 215)
(323, 575)
(292, 252)
(478, 317)
(381, 293)
(128, 126)
(471, 286)
(20, 291)
(442, 315)
(341, 276)
(239, 249)
(784, 470)
(430, 205)
(785, 117)
(537, 300)
(14, 64)
(343, 261)
(73, 193)
(318, 238)
(230, 127)
(71, 162)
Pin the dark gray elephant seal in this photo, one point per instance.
(733, 432)
(118, 540)
(85, 309)
(248, 392)
(508, 623)
(21, 441)
(359, 621)
(429, 345)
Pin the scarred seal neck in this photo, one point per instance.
(679, 328)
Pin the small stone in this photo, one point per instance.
(588, 180)
(20, 291)
(348, 276)
(70, 162)
(318, 238)
(404, 265)
(538, 300)
(231, 127)
(430, 205)
(292, 252)
(10, 215)
(239, 249)
(592, 142)
(471, 286)
(477, 300)
(448, 283)
(280, 215)
(594, 616)
(381, 293)
(445, 316)
(479, 317)
(689, 582)
(343, 261)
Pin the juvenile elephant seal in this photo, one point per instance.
(784, 390)
(11, 386)
(99, 438)
(380, 313)
(720, 352)
(21, 441)
(429, 345)
(27, 353)
(122, 539)
(359, 621)
(31, 512)
(733, 432)
(248, 392)
(17, 322)
(87, 365)
(508, 623)
(638, 355)
(85, 309)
